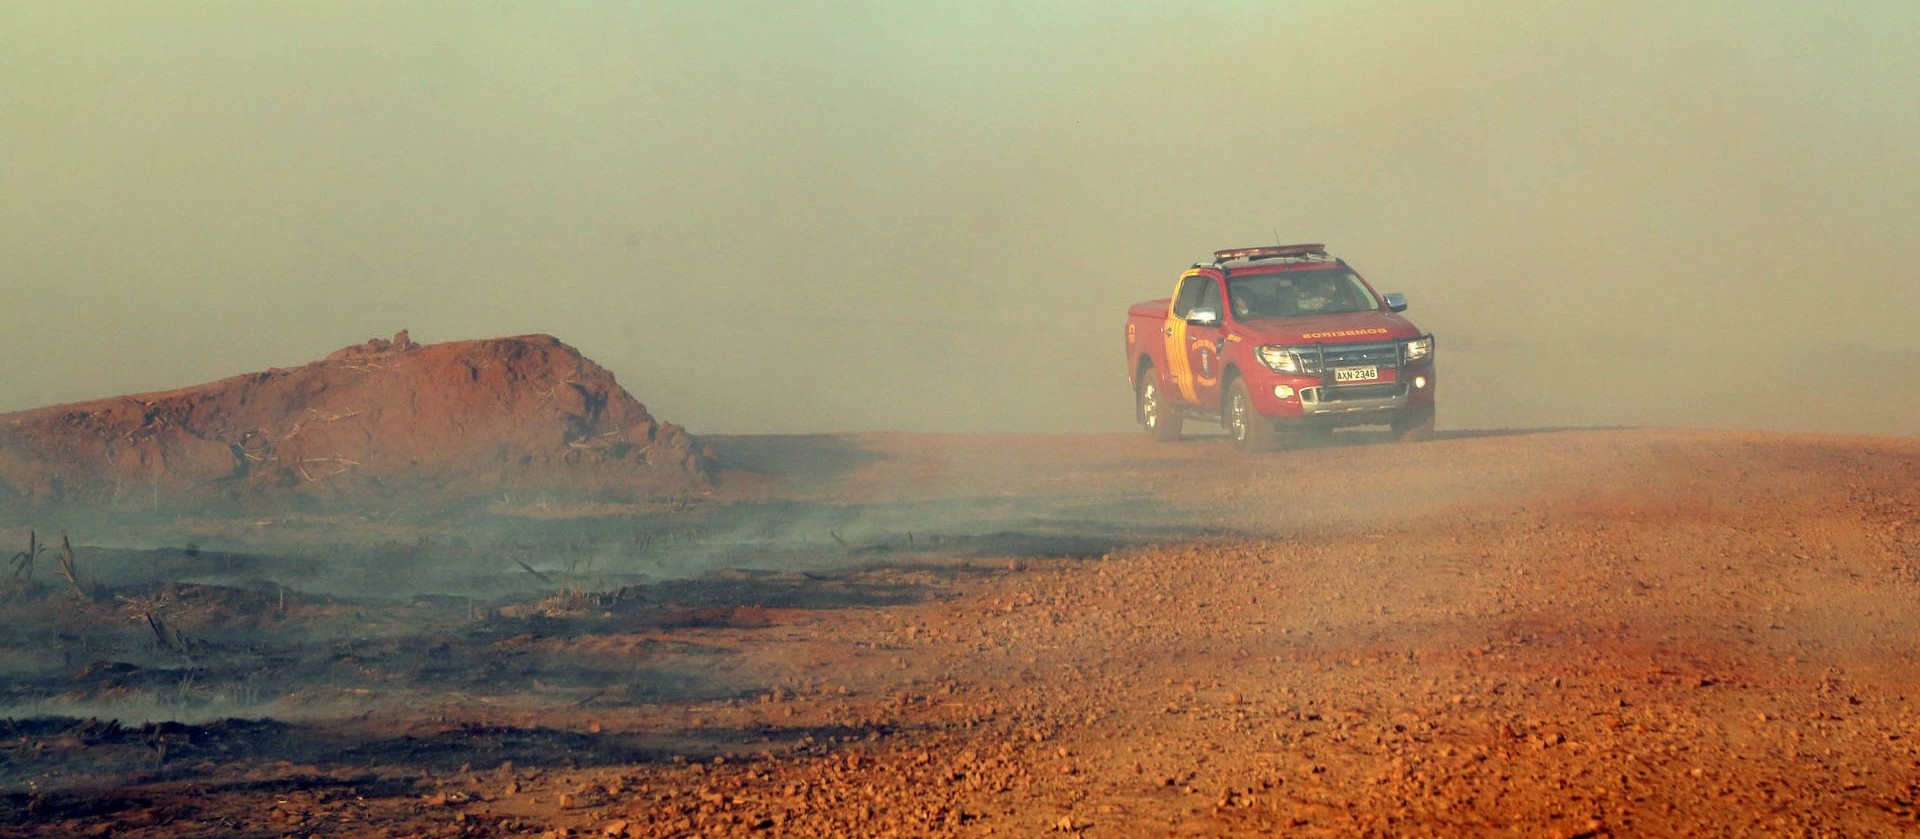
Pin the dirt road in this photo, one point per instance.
(1573, 633)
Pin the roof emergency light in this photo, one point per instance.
(1269, 252)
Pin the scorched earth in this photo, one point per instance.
(1573, 633)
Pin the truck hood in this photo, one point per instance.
(1346, 328)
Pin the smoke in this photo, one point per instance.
(770, 218)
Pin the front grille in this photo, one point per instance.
(1384, 356)
(1385, 390)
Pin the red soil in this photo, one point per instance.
(384, 414)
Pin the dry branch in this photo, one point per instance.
(167, 636)
(23, 561)
(67, 569)
(544, 579)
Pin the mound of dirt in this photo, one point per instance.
(383, 416)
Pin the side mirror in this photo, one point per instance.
(1203, 317)
(1396, 302)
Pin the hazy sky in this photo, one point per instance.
(773, 216)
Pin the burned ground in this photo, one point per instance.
(1607, 632)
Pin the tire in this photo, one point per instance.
(1161, 421)
(1415, 427)
(1250, 431)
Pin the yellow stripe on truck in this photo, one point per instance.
(1179, 367)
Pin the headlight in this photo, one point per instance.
(1417, 350)
(1285, 360)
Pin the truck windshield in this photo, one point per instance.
(1291, 293)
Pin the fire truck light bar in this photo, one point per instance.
(1269, 252)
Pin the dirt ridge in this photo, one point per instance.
(384, 415)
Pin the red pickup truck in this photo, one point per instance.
(1278, 341)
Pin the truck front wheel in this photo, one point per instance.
(1161, 420)
(1250, 431)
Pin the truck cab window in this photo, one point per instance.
(1191, 289)
(1210, 298)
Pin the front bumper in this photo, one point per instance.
(1332, 405)
(1315, 403)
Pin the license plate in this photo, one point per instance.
(1355, 374)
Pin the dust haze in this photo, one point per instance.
(768, 218)
(877, 256)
